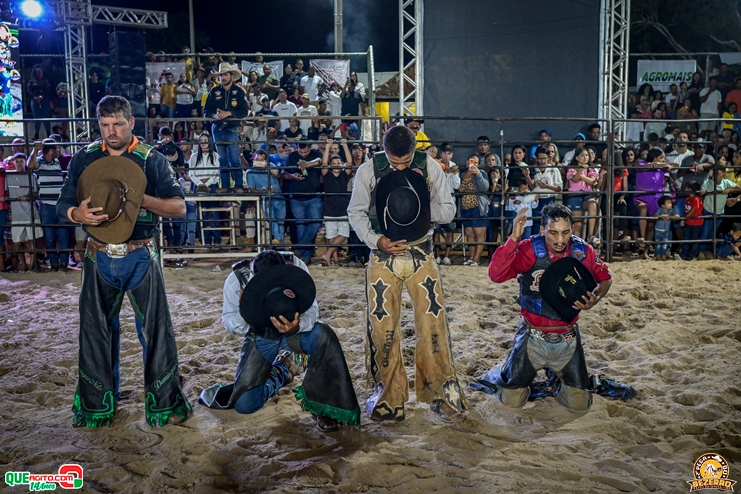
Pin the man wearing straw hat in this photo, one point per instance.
(227, 105)
(116, 189)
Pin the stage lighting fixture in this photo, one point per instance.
(31, 9)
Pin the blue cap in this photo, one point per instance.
(546, 131)
(580, 136)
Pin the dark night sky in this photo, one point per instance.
(282, 25)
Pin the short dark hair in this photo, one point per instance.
(595, 126)
(654, 153)
(261, 151)
(521, 181)
(266, 258)
(541, 150)
(110, 106)
(399, 141)
(736, 227)
(693, 187)
(555, 212)
(663, 199)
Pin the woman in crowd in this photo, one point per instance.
(196, 130)
(204, 173)
(474, 208)
(694, 89)
(514, 170)
(184, 94)
(295, 96)
(620, 197)
(39, 88)
(359, 87)
(179, 133)
(651, 177)
(494, 227)
(580, 182)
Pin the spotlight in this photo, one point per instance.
(31, 9)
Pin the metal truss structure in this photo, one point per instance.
(76, 15)
(411, 20)
(614, 58)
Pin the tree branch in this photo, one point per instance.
(731, 42)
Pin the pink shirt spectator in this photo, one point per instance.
(3, 204)
(581, 185)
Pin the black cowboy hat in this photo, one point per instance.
(117, 185)
(279, 290)
(403, 205)
(565, 282)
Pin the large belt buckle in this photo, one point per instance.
(552, 337)
(117, 251)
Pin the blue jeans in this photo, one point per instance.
(537, 212)
(254, 399)
(709, 229)
(276, 214)
(307, 230)
(3, 228)
(125, 274)
(43, 111)
(191, 217)
(173, 231)
(689, 251)
(210, 219)
(170, 111)
(662, 236)
(54, 233)
(229, 162)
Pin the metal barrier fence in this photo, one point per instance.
(262, 219)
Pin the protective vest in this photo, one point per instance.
(381, 168)
(530, 299)
(138, 155)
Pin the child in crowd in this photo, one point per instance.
(22, 188)
(692, 223)
(731, 244)
(522, 199)
(663, 227)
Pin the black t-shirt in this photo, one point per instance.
(351, 103)
(293, 134)
(336, 205)
(313, 180)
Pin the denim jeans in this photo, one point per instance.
(229, 162)
(170, 111)
(43, 111)
(709, 229)
(689, 251)
(254, 399)
(173, 230)
(191, 218)
(210, 219)
(276, 214)
(124, 273)
(307, 230)
(54, 233)
(662, 236)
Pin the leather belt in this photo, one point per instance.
(117, 251)
(549, 335)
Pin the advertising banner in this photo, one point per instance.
(663, 73)
(11, 89)
(332, 70)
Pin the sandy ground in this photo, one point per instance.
(670, 329)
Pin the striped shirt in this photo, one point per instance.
(50, 179)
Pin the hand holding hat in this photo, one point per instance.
(567, 286)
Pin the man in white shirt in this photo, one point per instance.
(306, 110)
(310, 85)
(546, 181)
(710, 100)
(453, 180)
(284, 108)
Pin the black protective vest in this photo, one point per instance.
(530, 298)
(381, 168)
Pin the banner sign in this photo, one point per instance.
(11, 89)
(663, 73)
(156, 78)
(332, 70)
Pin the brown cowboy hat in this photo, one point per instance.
(225, 67)
(117, 185)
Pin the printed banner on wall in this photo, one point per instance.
(11, 89)
(663, 73)
(156, 78)
(332, 70)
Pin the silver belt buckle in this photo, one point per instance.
(552, 337)
(117, 251)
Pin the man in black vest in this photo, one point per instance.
(543, 337)
(122, 258)
(399, 262)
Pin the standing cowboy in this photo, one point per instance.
(116, 189)
(396, 196)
